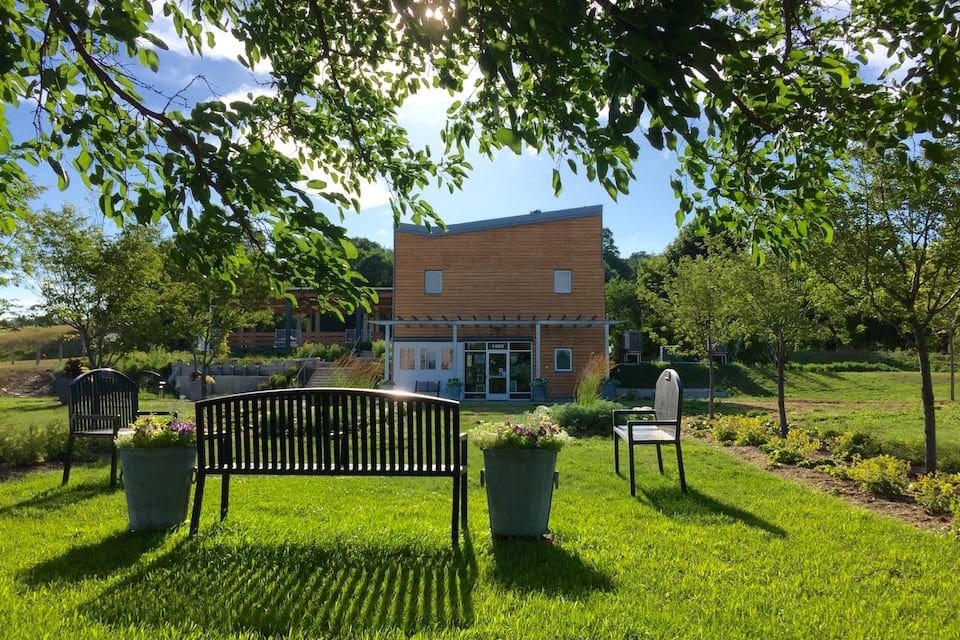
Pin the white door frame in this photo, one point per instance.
(506, 374)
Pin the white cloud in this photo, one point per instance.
(226, 47)
(246, 94)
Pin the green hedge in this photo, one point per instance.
(585, 420)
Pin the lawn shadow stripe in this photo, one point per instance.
(288, 588)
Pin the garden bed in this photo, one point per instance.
(901, 507)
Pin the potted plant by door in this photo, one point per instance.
(538, 390)
(454, 388)
(157, 459)
(609, 389)
(520, 460)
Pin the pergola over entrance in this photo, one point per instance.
(454, 324)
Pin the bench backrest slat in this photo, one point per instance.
(299, 430)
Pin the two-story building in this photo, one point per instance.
(498, 303)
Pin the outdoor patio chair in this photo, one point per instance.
(659, 425)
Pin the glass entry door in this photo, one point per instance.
(498, 373)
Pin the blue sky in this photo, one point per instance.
(508, 185)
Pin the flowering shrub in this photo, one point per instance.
(535, 431)
(881, 474)
(935, 492)
(159, 431)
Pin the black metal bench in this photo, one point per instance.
(657, 425)
(330, 432)
(427, 386)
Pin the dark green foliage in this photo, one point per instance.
(282, 379)
(373, 262)
(580, 420)
(73, 367)
(326, 353)
(849, 445)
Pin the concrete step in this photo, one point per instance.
(322, 375)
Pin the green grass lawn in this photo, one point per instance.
(743, 555)
(885, 404)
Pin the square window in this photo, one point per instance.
(562, 281)
(408, 359)
(563, 359)
(433, 282)
(428, 359)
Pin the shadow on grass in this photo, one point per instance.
(695, 505)
(29, 408)
(57, 498)
(96, 560)
(541, 567)
(258, 589)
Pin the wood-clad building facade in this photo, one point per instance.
(499, 303)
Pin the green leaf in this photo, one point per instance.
(148, 57)
(63, 180)
(557, 185)
(83, 161)
(510, 138)
(155, 41)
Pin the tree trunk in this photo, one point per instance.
(951, 330)
(781, 395)
(926, 394)
(710, 395)
(87, 349)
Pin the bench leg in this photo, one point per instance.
(616, 453)
(113, 465)
(659, 459)
(455, 512)
(197, 503)
(683, 480)
(68, 460)
(463, 501)
(224, 496)
(633, 482)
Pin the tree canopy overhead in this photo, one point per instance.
(758, 97)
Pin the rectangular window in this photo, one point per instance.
(408, 359)
(428, 359)
(433, 282)
(563, 359)
(562, 281)
(446, 358)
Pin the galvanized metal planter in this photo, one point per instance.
(519, 485)
(156, 482)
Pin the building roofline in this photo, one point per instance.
(534, 217)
